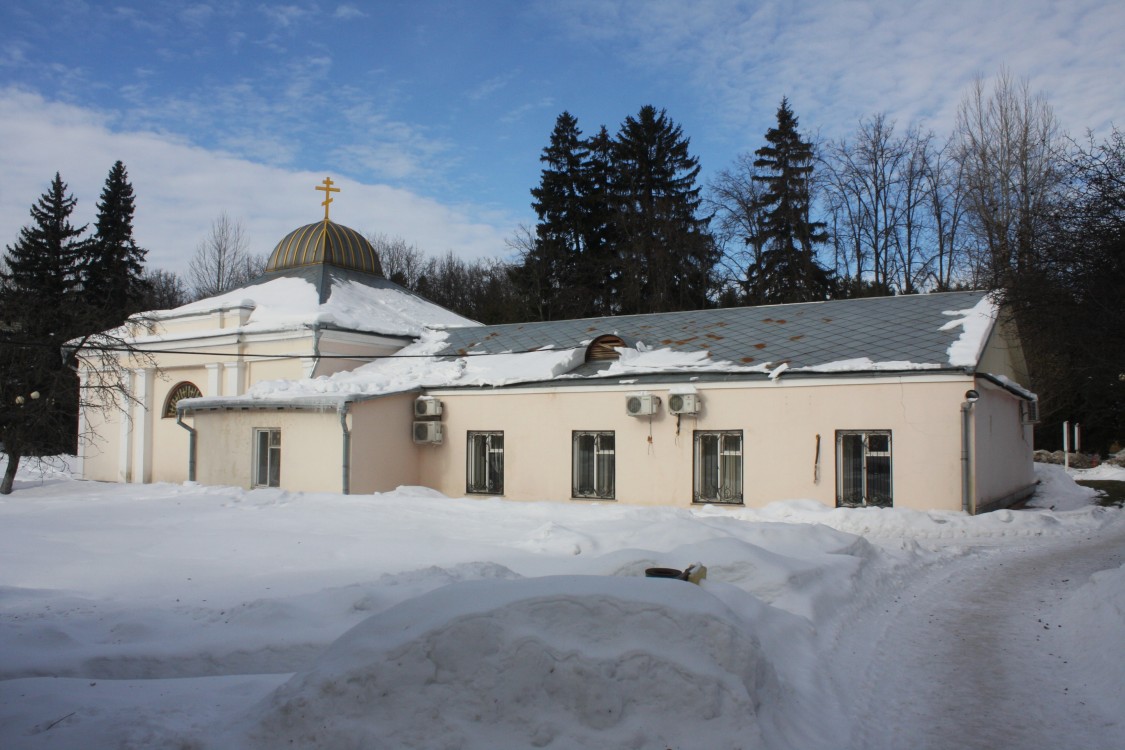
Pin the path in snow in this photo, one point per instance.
(973, 655)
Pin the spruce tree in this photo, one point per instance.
(550, 273)
(789, 271)
(600, 228)
(42, 267)
(665, 254)
(113, 267)
(38, 390)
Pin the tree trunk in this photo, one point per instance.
(10, 473)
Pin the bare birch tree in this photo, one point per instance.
(222, 260)
(1009, 148)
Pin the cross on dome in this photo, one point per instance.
(328, 191)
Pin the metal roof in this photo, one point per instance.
(905, 328)
(325, 242)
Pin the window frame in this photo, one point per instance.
(723, 456)
(272, 457)
(600, 456)
(480, 480)
(868, 497)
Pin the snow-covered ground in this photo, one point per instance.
(184, 616)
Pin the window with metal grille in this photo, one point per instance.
(863, 468)
(181, 391)
(485, 471)
(718, 467)
(594, 465)
(267, 449)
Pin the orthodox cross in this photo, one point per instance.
(328, 191)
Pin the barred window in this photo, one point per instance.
(718, 467)
(594, 465)
(485, 471)
(863, 468)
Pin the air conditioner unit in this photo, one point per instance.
(427, 406)
(641, 404)
(428, 433)
(1029, 412)
(683, 403)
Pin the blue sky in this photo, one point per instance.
(431, 115)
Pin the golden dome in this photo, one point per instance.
(325, 242)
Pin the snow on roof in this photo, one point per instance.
(292, 302)
(439, 359)
(976, 323)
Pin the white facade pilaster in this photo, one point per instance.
(125, 447)
(235, 378)
(214, 379)
(142, 424)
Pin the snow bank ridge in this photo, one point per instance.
(593, 661)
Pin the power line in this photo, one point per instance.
(370, 357)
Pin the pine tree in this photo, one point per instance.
(38, 391)
(665, 254)
(113, 267)
(790, 271)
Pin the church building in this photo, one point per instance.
(322, 375)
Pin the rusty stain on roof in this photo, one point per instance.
(746, 360)
(798, 337)
(759, 346)
(715, 336)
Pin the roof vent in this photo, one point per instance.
(605, 348)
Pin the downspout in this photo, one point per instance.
(191, 444)
(345, 460)
(967, 503)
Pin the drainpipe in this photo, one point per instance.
(967, 503)
(191, 445)
(345, 460)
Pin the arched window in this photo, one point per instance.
(181, 391)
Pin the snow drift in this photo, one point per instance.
(583, 661)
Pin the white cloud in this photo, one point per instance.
(348, 12)
(491, 86)
(838, 61)
(181, 188)
(196, 15)
(518, 113)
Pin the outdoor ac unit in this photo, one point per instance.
(1029, 412)
(641, 404)
(428, 432)
(427, 406)
(683, 403)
